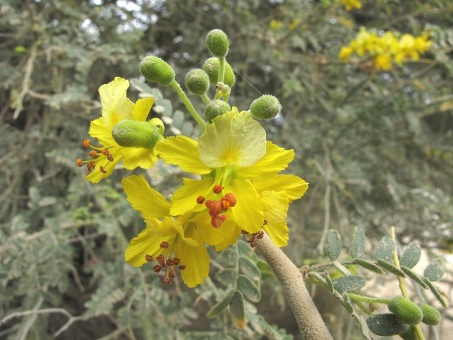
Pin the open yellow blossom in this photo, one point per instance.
(116, 107)
(171, 242)
(234, 157)
(350, 4)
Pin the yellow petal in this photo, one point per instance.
(248, 211)
(139, 157)
(275, 206)
(145, 199)
(230, 239)
(185, 198)
(196, 260)
(95, 176)
(102, 132)
(294, 186)
(182, 151)
(233, 138)
(142, 108)
(146, 243)
(115, 104)
(275, 160)
(213, 236)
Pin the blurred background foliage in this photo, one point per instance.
(376, 148)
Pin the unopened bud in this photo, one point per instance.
(217, 42)
(265, 107)
(197, 81)
(154, 69)
(159, 124)
(135, 134)
(211, 67)
(216, 108)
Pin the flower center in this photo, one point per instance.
(165, 260)
(97, 155)
(218, 208)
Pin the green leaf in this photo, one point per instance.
(249, 268)
(358, 243)
(227, 276)
(411, 255)
(434, 271)
(347, 302)
(390, 268)
(221, 305)
(265, 269)
(334, 244)
(237, 310)
(386, 324)
(384, 249)
(349, 283)
(368, 265)
(250, 290)
(414, 276)
(436, 292)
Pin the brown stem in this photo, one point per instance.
(307, 316)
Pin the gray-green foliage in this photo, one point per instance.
(376, 147)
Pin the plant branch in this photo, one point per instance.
(188, 104)
(304, 310)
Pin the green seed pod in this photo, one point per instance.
(265, 107)
(135, 134)
(431, 316)
(406, 310)
(211, 67)
(197, 81)
(409, 334)
(217, 42)
(216, 108)
(156, 70)
(159, 124)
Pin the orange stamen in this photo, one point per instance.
(110, 157)
(215, 209)
(217, 189)
(86, 143)
(105, 152)
(93, 153)
(182, 267)
(148, 258)
(200, 199)
(101, 169)
(166, 280)
(232, 200)
(216, 221)
(225, 205)
(79, 162)
(157, 268)
(164, 245)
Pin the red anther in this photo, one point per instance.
(230, 198)
(157, 268)
(110, 157)
(176, 261)
(265, 222)
(148, 258)
(209, 203)
(260, 235)
(86, 143)
(161, 260)
(105, 152)
(215, 209)
(101, 169)
(166, 280)
(217, 189)
(182, 267)
(93, 153)
(169, 262)
(90, 166)
(225, 205)
(172, 274)
(200, 199)
(216, 221)
(163, 245)
(79, 162)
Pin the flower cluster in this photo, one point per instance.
(239, 189)
(387, 49)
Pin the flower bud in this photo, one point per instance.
(211, 67)
(217, 42)
(154, 69)
(135, 134)
(216, 108)
(159, 124)
(265, 107)
(431, 316)
(197, 81)
(406, 310)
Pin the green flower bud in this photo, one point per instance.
(156, 70)
(211, 67)
(216, 108)
(406, 310)
(217, 42)
(135, 134)
(159, 124)
(431, 316)
(265, 107)
(197, 81)
(409, 334)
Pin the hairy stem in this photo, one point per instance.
(304, 310)
(188, 104)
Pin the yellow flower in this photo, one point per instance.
(345, 53)
(234, 157)
(350, 4)
(116, 107)
(171, 242)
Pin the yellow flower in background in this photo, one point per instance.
(171, 242)
(350, 4)
(115, 108)
(234, 158)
